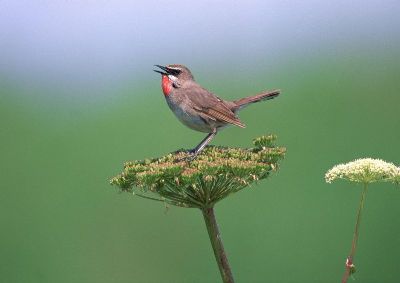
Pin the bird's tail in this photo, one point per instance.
(243, 102)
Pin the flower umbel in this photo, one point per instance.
(212, 176)
(365, 170)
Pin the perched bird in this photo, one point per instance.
(198, 108)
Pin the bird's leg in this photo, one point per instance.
(202, 145)
(204, 142)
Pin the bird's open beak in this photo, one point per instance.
(165, 69)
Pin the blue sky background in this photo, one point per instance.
(76, 45)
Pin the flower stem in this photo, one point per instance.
(349, 261)
(216, 242)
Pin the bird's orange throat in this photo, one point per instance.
(166, 85)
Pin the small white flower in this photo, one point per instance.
(366, 170)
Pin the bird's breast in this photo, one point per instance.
(187, 115)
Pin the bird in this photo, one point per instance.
(200, 109)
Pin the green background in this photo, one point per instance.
(61, 221)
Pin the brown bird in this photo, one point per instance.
(200, 109)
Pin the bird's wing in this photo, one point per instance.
(213, 106)
(222, 115)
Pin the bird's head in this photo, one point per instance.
(173, 76)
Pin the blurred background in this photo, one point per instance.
(79, 98)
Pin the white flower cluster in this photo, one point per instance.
(365, 170)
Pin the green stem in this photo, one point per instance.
(216, 242)
(146, 197)
(349, 261)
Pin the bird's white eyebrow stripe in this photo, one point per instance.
(174, 68)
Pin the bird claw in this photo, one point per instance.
(192, 156)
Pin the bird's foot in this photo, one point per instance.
(191, 157)
(192, 154)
